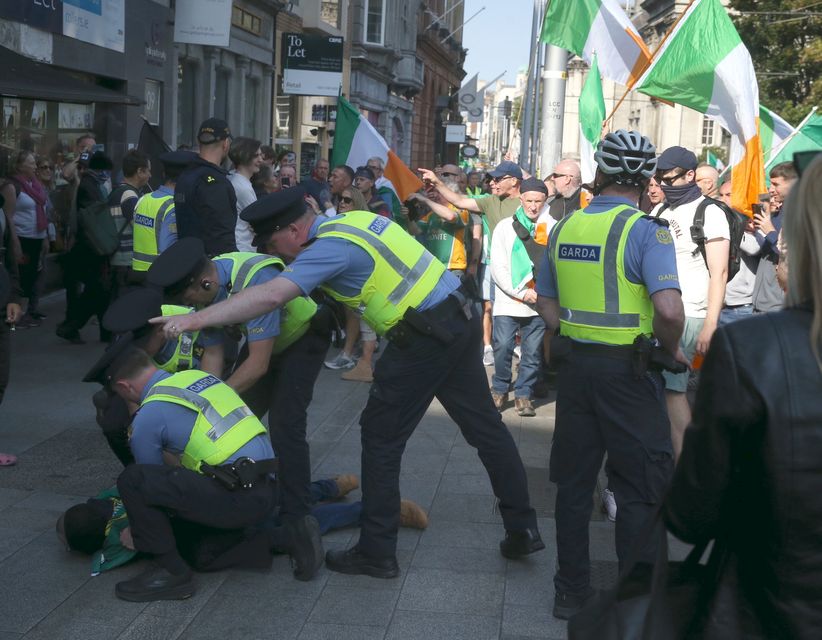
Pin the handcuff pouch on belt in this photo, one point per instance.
(649, 356)
(243, 473)
(429, 323)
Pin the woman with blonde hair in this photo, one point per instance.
(750, 474)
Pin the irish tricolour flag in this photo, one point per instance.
(356, 140)
(591, 117)
(704, 65)
(601, 26)
(773, 130)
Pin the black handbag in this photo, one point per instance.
(664, 601)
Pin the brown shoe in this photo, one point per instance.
(499, 400)
(361, 373)
(346, 484)
(524, 407)
(412, 515)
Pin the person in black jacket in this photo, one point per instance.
(204, 200)
(10, 305)
(750, 473)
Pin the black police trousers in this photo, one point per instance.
(152, 494)
(285, 392)
(406, 380)
(603, 407)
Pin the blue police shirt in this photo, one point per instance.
(168, 229)
(260, 328)
(167, 426)
(650, 258)
(345, 267)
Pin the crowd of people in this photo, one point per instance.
(221, 290)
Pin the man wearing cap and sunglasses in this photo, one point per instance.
(204, 200)
(371, 265)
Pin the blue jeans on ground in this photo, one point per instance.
(731, 314)
(531, 331)
(334, 515)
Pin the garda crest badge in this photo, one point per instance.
(579, 252)
(379, 225)
(663, 236)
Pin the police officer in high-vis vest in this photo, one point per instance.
(609, 284)
(128, 316)
(155, 220)
(280, 362)
(223, 476)
(370, 264)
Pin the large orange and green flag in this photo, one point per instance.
(356, 140)
(704, 65)
(586, 27)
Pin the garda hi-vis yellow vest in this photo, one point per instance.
(404, 271)
(183, 356)
(295, 316)
(597, 301)
(224, 423)
(149, 213)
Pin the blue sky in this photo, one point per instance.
(497, 39)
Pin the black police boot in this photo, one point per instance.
(568, 604)
(353, 562)
(305, 546)
(520, 543)
(156, 583)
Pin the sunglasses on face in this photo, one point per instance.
(368, 166)
(669, 180)
(45, 167)
(559, 175)
(346, 200)
(500, 179)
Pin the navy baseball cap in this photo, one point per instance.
(674, 157)
(213, 130)
(273, 212)
(506, 168)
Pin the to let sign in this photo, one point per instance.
(312, 64)
(43, 14)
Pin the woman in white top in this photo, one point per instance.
(247, 157)
(27, 207)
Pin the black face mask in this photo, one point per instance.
(683, 194)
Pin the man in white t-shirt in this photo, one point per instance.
(702, 280)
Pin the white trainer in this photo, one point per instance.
(342, 361)
(488, 356)
(609, 502)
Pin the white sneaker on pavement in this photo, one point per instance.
(518, 351)
(342, 361)
(609, 502)
(488, 356)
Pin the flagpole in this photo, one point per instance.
(650, 61)
(775, 152)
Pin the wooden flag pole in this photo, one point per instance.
(650, 61)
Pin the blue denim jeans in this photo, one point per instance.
(531, 331)
(731, 314)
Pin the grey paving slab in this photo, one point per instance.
(410, 625)
(464, 508)
(446, 591)
(274, 583)
(532, 622)
(528, 583)
(9, 497)
(315, 631)
(8, 635)
(355, 606)
(475, 535)
(459, 560)
(468, 483)
(147, 626)
(12, 539)
(72, 629)
(404, 557)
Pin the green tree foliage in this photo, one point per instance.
(786, 52)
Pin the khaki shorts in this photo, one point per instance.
(679, 381)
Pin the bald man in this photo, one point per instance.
(708, 180)
(567, 179)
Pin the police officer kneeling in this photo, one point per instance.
(225, 478)
(609, 283)
(371, 265)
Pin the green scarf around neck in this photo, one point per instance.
(521, 265)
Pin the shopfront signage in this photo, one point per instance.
(312, 64)
(100, 22)
(43, 14)
(206, 22)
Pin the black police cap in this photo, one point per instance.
(132, 311)
(179, 158)
(273, 212)
(176, 267)
(213, 130)
(99, 372)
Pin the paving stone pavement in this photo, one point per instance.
(454, 583)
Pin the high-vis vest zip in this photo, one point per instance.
(295, 316)
(183, 356)
(149, 213)
(597, 301)
(404, 272)
(224, 423)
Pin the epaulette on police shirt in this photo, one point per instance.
(662, 222)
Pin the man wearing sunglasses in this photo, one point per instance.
(567, 181)
(702, 280)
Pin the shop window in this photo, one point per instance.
(374, 21)
(252, 100)
(186, 97)
(246, 21)
(707, 131)
(221, 94)
(283, 107)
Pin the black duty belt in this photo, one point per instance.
(429, 322)
(243, 473)
(618, 352)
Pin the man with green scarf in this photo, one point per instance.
(514, 254)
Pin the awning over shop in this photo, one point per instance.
(25, 78)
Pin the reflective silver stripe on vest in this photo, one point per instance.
(219, 424)
(144, 257)
(609, 262)
(158, 221)
(246, 268)
(595, 319)
(408, 276)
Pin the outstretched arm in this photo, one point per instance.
(457, 199)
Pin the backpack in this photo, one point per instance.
(736, 227)
(99, 227)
